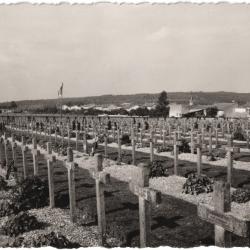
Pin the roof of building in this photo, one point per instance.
(225, 105)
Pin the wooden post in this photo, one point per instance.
(24, 156)
(147, 196)
(178, 133)
(113, 130)
(62, 135)
(164, 138)
(119, 146)
(169, 131)
(68, 136)
(230, 151)
(133, 147)
(192, 142)
(14, 156)
(2, 153)
(176, 153)
(35, 154)
(6, 149)
(77, 140)
(210, 141)
(85, 143)
(229, 140)
(101, 178)
(222, 204)
(137, 135)
(151, 145)
(106, 144)
(56, 134)
(216, 138)
(49, 133)
(225, 223)
(202, 134)
(199, 154)
(155, 137)
(71, 182)
(222, 130)
(247, 139)
(50, 163)
(141, 136)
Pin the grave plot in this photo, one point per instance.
(185, 167)
(124, 170)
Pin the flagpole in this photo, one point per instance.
(61, 105)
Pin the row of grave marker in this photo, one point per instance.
(230, 148)
(211, 216)
(139, 187)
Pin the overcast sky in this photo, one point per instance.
(122, 49)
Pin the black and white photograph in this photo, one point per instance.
(124, 125)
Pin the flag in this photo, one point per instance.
(60, 91)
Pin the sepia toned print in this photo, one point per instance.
(124, 125)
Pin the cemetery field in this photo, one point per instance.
(241, 178)
(171, 224)
(104, 191)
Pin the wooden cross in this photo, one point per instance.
(49, 133)
(169, 131)
(177, 144)
(184, 126)
(155, 136)
(113, 130)
(228, 127)
(106, 142)
(51, 161)
(192, 144)
(36, 154)
(202, 133)
(101, 179)
(70, 165)
(247, 139)
(55, 134)
(229, 140)
(178, 133)
(198, 147)
(164, 137)
(133, 146)
(62, 134)
(139, 186)
(68, 130)
(222, 129)
(230, 151)
(24, 149)
(77, 138)
(119, 146)
(85, 142)
(2, 152)
(210, 141)
(151, 139)
(220, 215)
(141, 135)
(14, 155)
(216, 137)
(6, 149)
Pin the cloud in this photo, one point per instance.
(158, 35)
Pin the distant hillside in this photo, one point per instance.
(139, 99)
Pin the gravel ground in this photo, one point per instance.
(58, 221)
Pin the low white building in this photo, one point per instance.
(177, 110)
